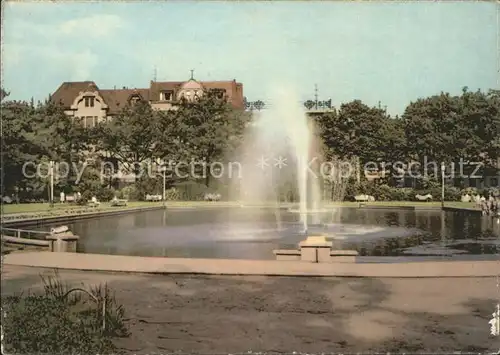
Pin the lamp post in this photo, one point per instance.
(443, 168)
(164, 169)
(51, 183)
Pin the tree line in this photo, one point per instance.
(442, 128)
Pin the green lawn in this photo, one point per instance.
(60, 208)
(456, 204)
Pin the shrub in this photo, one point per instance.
(354, 188)
(129, 193)
(54, 324)
(380, 192)
(427, 184)
(172, 194)
(451, 193)
(105, 194)
(85, 197)
(490, 191)
(402, 194)
(147, 185)
(191, 190)
(471, 191)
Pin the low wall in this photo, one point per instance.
(158, 265)
(26, 241)
(459, 209)
(401, 207)
(72, 218)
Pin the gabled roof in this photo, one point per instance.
(231, 87)
(157, 86)
(116, 99)
(68, 91)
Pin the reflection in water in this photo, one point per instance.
(198, 233)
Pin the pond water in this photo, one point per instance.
(247, 233)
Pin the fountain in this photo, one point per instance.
(280, 150)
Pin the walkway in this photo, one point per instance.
(199, 314)
(156, 265)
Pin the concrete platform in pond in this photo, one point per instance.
(118, 263)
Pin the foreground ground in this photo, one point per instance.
(214, 314)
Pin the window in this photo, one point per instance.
(166, 96)
(90, 121)
(493, 182)
(78, 120)
(89, 101)
(134, 100)
(219, 93)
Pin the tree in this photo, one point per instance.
(203, 131)
(20, 145)
(259, 105)
(359, 130)
(132, 136)
(3, 94)
(454, 129)
(309, 104)
(429, 124)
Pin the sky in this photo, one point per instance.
(392, 52)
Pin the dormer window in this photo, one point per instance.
(89, 101)
(166, 95)
(220, 93)
(134, 99)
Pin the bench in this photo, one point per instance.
(154, 198)
(118, 203)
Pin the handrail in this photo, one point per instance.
(24, 230)
(25, 241)
(44, 214)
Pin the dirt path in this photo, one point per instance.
(285, 314)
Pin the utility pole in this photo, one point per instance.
(155, 73)
(316, 96)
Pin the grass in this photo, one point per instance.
(61, 208)
(456, 204)
(62, 320)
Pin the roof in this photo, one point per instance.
(68, 91)
(116, 99)
(156, 86)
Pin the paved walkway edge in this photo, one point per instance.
(157, 265)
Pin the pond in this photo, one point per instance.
(250, 233)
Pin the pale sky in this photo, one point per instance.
(374, 51)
